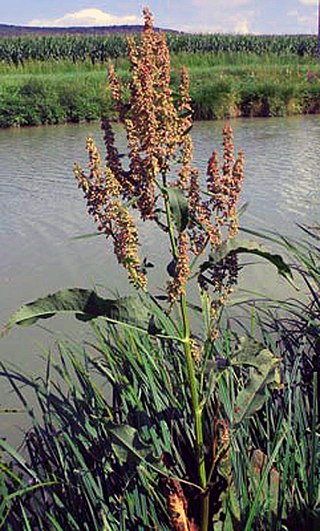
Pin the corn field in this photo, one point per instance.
(98, 48)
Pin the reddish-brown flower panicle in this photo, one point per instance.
(126, 244)
(235, 189)
(103, 191)
(178, 285)
(148, 19)
(115, 86)
(224, 186)
(112, 155)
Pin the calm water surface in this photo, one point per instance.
(41, 211)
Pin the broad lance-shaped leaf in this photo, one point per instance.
(264, 373)
(85, 305)
(127, 445)
(251, 247)
(179, 207)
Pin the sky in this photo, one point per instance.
(205, 16)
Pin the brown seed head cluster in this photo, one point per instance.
(126, 245)
(160, 153)
(102, 191)
(210, 216)
(177, 286)
(156, 128)
(223, 278)
(112, 157)
(225, 185)
(115, 87)
(186, 146)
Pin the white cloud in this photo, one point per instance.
(87, 17)
(309, 2)
(242, 26)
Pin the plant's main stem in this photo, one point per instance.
(170, 227)
(193, 389)
(192, 380)
(196, 411)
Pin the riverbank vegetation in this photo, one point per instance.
(227, 79)
(172, 417)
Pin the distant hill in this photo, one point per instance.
(8, 30)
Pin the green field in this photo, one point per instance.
(99, 48)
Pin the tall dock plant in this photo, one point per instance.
(163, 185)
(159, 183)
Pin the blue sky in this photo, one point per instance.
(236, 16)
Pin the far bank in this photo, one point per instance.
(221, 85)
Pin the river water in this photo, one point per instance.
(41, 211)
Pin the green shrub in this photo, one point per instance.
(214, 99)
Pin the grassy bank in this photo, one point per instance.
(222, 85)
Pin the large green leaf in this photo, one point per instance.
(264, 374)
(85, 305)
(251, 247)
(179, 207)
(127, 445)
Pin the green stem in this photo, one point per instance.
(197, 412)
(165, 196)
(170, 227)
